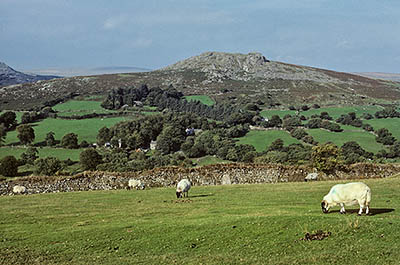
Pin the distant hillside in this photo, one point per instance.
(9, 76)
(385, 76)
(225, 77)
(69, 72)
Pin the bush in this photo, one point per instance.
(326, 157)
(48, 166)
(70, 141)
(385, 137)
(89, 159)
(9, 166)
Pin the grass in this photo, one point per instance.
(80, 107)
(208, 160)
(262, 139)
(60, 153)
(85, 129)
(364, 139)
(392, 124)
(334, 112)
(202, 98)
(238, 224)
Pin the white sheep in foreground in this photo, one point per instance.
(135, 184)
(18, 189)
(347, 194)
(182, 188)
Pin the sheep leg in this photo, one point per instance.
(367, 210)
(361, 209)
(342, 210)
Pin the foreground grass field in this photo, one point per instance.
(239, 224)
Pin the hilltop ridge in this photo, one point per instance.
(9, 76)
(231, 78)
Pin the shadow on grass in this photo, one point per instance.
(372, 211)
(201, 195)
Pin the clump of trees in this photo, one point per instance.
(9, 166)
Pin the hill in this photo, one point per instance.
(9, 76)
(225, 77)
(385, 76)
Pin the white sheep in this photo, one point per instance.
(135, 184)
(182, 188)
(18, 189)
(347, 194)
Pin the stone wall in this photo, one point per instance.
(206, 175)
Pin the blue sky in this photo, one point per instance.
(342, 35)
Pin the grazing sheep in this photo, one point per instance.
(18, 189)
(347, 194)
(182, 188)
(135, 184)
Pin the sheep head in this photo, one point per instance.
(325, 206)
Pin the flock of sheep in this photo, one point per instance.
(340, 194)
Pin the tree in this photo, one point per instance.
(275, 121)
(70, 141)
(170, 139)
(89, 159)
(276, 145)
(9, 166)
(326, 157)
(104, 136)
(48, 166)
(8, 118)
(50, 140)
(385, 137)
(30, 155)
(298, 133)
(26, 134)
(3, 133)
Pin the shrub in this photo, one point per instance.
(89, 159)
(326, 157)
(26, 134)
(385, 137)
(70, 141)
(48, 166)
(9, 166)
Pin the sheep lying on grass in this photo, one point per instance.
(182, 188)
(348, 194)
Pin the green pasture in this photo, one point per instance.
(86, 129)
(60, 153)
(262, 139)
(208, 160)
(334, 112)
(365, 139)
(392, 124)
(235, 224)
(80, 107)
(202, 98)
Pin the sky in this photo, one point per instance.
(341, 35)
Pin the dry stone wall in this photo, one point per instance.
(221, 174)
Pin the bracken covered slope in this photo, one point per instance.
(226, 77)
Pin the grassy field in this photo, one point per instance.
(334, 112)
(62, 154)
(80, 107)
(392, 124)
(364, 139)
(262, 139)
(238, 224)
(85, 129)
(202, 98)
